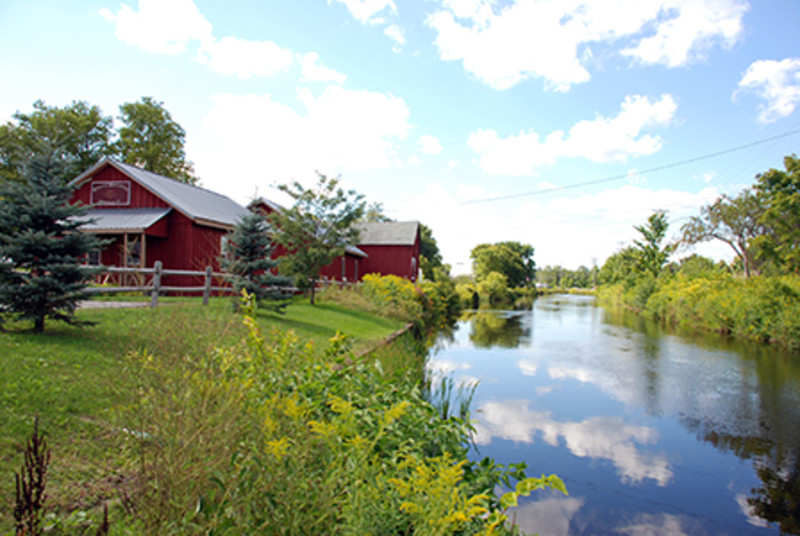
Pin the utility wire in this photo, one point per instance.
(631, 174)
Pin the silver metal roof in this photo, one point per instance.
(194, 202)
(388, 233)
(123, 219)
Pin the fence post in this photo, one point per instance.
(156, 284)
(207, 290)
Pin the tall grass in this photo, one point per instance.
(763, 308)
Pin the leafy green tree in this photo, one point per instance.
(247, 255)
(648, 253)
(495, 287)
(736, 221)
(512, 259)
(374, 212)
(151, 139)
(619, 267)
(78, 134)
(41, 246)
(430, 257)
(317, 228)
(781, 195)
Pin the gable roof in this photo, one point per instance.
(388, 233)
(198, 204)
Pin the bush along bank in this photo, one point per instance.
(761, 308)
(273, 438)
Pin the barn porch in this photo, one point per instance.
(127, 233)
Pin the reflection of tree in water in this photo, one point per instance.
(778, 498)
(497, 330)
(766, 432)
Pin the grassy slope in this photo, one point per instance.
(72, 378)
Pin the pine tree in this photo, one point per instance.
(247, 256)
(41, 247)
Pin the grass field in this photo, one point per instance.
(73, 379)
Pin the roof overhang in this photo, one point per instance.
(122, 220)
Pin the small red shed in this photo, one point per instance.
(392, 248)
(149, 218)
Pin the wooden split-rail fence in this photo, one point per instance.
(149, 281)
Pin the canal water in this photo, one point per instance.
(653, 433)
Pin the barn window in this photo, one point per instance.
(94, 257)
(111, 193)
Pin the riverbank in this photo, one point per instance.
(761, 308)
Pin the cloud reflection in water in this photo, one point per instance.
(606, 438)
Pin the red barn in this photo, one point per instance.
(392, 248)
(149, 218)
(385, 248)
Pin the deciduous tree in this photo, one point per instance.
(151, 139)
(736, 221)
(648, 253)
(317, 228)
(78, 135)
(781, 194)
(512, 259)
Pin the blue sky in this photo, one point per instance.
(558, 123)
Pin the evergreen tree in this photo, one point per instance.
(247, 256)
(41, 247)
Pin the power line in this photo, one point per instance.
(631, 174)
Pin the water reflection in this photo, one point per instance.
(599, 438)
(706, 429)
(497, 329)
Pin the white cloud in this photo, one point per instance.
(395, 33)
(368, 11)
(313, 72)
(159, 26)
(171, 26)
(257, 139)
(244, 59)
(430, 144)
(598, 140)
(552, 39)
(687, 28)
(777, 83)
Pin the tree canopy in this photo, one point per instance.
(781, 197)
(511, 259)
(736, 221)
(430, 257)
(151, 139)
(648, 252)
(317, 228)
(78, 135)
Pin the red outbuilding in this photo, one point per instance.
(391, 248)
(146, 217)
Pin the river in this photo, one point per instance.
(653, 432)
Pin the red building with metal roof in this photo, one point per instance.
(147, 218)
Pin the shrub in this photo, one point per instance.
(273, 438)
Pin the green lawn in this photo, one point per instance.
(74, 377)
